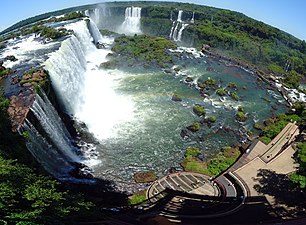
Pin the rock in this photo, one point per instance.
(184, 134)
(100, 45)
(176, 98)
(11, 58)
(189, 79)
(172, 170)
(145, 177)
(194, 127)
(81, 171)
(199, 110)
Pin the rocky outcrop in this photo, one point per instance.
(20, 104)
(11, 58)
(145, 177)
(20, 107)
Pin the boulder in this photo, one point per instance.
(11, 58)
(145, 177)
(176, 98)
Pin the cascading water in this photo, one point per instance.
(95, 33)
(45, 153)
(67, 68)
(50, 144)
(179, 16)
(131, 24)
(177, 28)
(54, 127)
(192, 19)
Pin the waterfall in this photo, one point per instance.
(131, 24)
(94, 31)
(179, 36)
(192, 19)
(54, 127)
(51, 146)
(67, 68)
(177, 28)
(45, 153)
(179, 16)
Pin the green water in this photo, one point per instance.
(151, 140)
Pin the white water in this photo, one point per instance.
(45, 153)
(25, 50)
(179, 16)
(131, 24)
(177, 28)
(192, 19)
(54, 127)
(179, 36)
(86, 91)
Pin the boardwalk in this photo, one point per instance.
(194, 195)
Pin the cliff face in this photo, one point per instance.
(20, 104)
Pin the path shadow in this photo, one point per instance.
(289, 199)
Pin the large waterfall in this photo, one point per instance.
(51, 145)
(178, 27)
(85, 91)
(131, 24)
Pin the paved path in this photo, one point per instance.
(192, 195)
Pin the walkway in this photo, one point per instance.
(192, 195)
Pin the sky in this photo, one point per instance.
(287, 15)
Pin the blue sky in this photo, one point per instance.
(288, 15)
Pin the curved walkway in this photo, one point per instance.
(193, 195)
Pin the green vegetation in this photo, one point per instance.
(240, 116)
(299, 177)
(199, 110)
(194, 127)
(192, 152)
(137, 198)
(232, 85)
(233, 34)
(142, 50)
(223, 160)
(213, 167)
(221, 92)
(234, 96)
(191, 163)
(26, 195)
(211, 119)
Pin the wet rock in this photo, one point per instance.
(184, 134)
(145, 177)
(81, 171)
(11, 58)
(176, 98)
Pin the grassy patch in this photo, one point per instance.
(137, 198)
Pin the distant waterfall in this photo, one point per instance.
(177, 27)
(179, 16)
(192, 19)
(131, 24)
(98, 14)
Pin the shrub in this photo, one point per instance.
(221, 92)
(234, 96)
(192, 151)
(199, 110)
(194, 127)
(240, 116)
